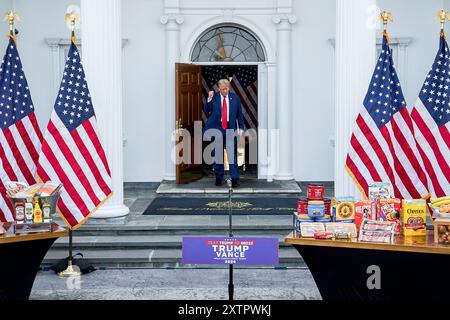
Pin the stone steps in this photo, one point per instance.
(155, 241)
(140, 241)
(152, 258)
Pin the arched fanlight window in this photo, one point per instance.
(227, 43)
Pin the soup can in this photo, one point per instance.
(315, 191)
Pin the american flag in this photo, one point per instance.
(20, 136)
(431, 118)
(244, 84)
(71, 151)
(382, 146)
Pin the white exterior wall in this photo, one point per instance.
(313, 108)
(143, 108)
(415, 19)
(39, 20)
(144, 63)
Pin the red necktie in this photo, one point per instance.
(224, 113)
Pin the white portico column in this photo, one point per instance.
(355, 60)
(102, 60)
(284, 95)
(172, 29)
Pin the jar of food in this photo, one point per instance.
(20, 212)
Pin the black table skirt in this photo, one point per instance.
(342, 273)
(19, 263)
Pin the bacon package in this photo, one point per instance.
(377, 231)
(342, 227)
(389, 210)
(308, 229)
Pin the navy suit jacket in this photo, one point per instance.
(213, 111)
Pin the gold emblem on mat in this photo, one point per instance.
(224, 205)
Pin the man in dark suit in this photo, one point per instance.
(224, 112)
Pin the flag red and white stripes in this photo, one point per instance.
(431, 118)
(20, 136)
(71, 151)
(382, 147)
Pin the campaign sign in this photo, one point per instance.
(231, 250)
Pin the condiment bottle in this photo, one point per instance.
(20, 212)
(46, 212)
(37, 214)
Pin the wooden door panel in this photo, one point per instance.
(188, 88)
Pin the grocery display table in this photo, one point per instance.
(411, 267)
(20, 258)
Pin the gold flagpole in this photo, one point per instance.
(70, 271)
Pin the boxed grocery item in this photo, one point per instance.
(389, 210)
(363, 210)
(414, 217)
(344, 209)
(380, 190)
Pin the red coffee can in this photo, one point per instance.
(302, 206)
(327, 202)
(315, 191)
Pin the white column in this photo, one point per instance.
(284, 95)
(102, 60)
(172, 29)
(355, 61)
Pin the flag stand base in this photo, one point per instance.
(70, 271)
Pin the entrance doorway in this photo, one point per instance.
(244, 83)
(193, 82)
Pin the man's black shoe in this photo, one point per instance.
(218, 182)
(234, 183)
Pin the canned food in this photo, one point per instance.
(327, 202)
(302, 206)
(315, 191)
(316, 209)
(325, 218)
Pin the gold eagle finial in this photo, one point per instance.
(11, 16)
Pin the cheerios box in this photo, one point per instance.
(414, 217)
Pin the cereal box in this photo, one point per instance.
(364, 210)
(380, 190)
(414, 217)
(389, 210)
(343, 209)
